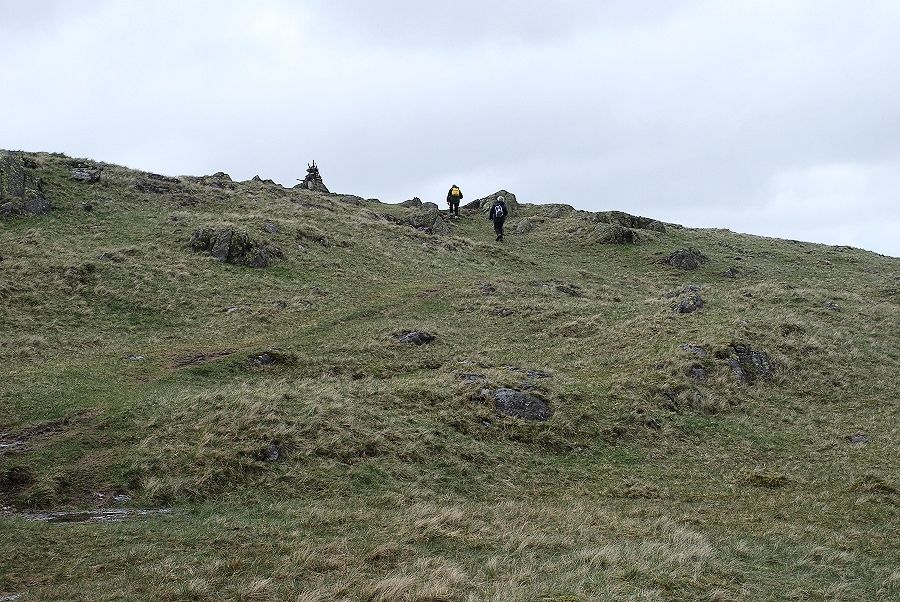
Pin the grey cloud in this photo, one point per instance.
(770, 118)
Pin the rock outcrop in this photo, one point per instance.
(233, 246)
(413, 337)
(155, 183)
(747, 364)
(686, 259)
(629, 221)
(614, 234)
(21, 189)
(427, 218)
(485, 203)
(521, 405)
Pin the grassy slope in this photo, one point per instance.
(395, 483)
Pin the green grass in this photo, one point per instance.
(395, 480)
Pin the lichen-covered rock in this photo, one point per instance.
(614, 234)
(220, 179)
(155, 183)
(524, 226)
(414, 337)
(555, 210)
(428, 219)
(86, 175)
(21, 189)
(746, 364)
(521, 405)
(485, 203)
(689, 304)
(629, 221)
(232, 246)
(686, 259)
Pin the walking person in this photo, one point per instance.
(454, 196)
(497, 214)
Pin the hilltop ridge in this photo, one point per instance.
(320, 396)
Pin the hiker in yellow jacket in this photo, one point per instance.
(454, 196)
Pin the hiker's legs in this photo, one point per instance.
(498, 228)
(454, 208)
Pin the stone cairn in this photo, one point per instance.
(313, 179)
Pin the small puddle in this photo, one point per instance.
(107, 515)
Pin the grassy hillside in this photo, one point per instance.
(307, 454)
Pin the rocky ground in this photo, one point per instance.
(235, 390)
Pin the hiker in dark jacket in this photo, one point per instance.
(497, 214)
(454, 196)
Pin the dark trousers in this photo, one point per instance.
(498, 226)
(454, 207)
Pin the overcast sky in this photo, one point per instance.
(777, 118)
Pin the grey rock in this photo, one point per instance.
(695, 349)
(413, 202)
(749, 365)
(414, 337)
(535, 374)
(686, 259)
(485, 203)
(21, 189)
(524, 226)
(697, 372)
(521, 405)
(471, 377)
(831, 305)
(731, 272)
(556, 210)
(627, 220)
(220, 179)
(689, 304)
(614, 234)
(155, 183)
(271, 452)
(859, 438)
(270, 227)
(232, 246)
(263, 359)
(440, 226)
(88, 176)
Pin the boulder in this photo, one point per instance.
(691, 303)
(232, 246)
(629, 221)
(555, 210)
(155, 183)
(614, 234)
(428, 219)
(686, 259)
(220, 179)
(21, 189)
(518, 404)
(414, 337)
(86, 175)
(413, 202)
(746, 364)
(731, 272)
(485, 203)
(524, 226)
